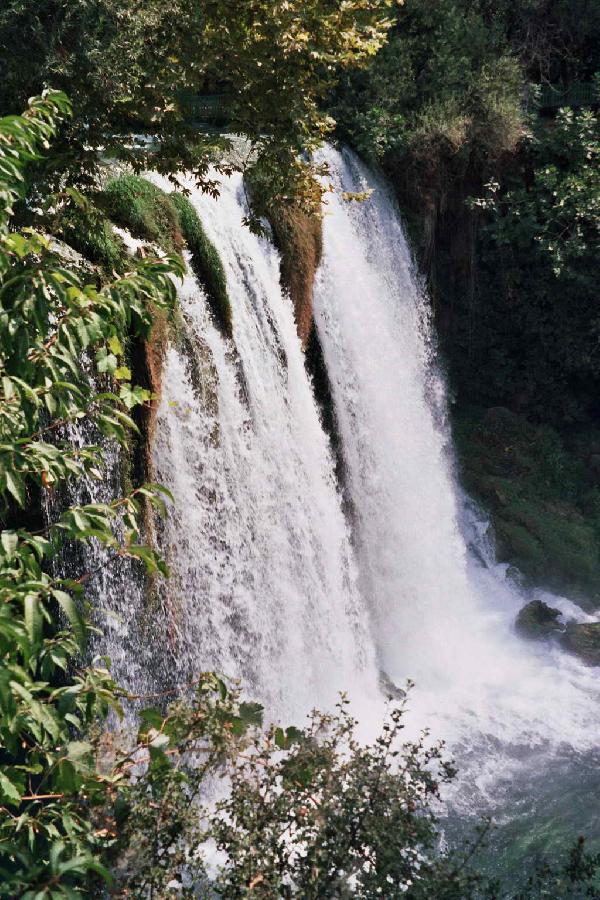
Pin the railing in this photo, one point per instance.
(205, 110)
(576, 95)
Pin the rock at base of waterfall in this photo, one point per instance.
(583, 640)
(390, 690)
(538, 620)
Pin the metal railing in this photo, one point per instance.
(205, 109)
(576, 95)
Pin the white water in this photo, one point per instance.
(264, 583)
(441, 615)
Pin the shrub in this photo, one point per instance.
(52, 322)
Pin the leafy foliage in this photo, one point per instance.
(443, 94)
(537, 320)
(128, 67)
(331, 817)
(59, 338)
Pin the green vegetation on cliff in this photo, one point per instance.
(206, 261)
(544, 501)
(503, 206)
(503, 202)
(144, 209)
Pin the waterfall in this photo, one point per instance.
(302, 587)
(441, 614)
(264, 583)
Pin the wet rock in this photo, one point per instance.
(538, 620)
(583, 640)
(390, 690)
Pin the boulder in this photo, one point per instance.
(583, 640)
(538, 620)
(390, 690)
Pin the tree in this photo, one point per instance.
(127, 67)
(538, 325)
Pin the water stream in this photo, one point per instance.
(265, 585)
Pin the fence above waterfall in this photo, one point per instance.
(548, 98)
(206, 112)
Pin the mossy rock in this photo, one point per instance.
(206, 262)
(583, 640)
(299, 239)
(145, 210)
(538, 620)
(297, 231)
(543, 507)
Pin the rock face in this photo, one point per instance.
(584, 641)
(540, 497)
(390, 690)
(299, 238)
(538, 620)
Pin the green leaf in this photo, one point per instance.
(115, 345)
(69, 607)
(16, 487)
(9, 540)
(251, 713)
(9, 790)
(33, 618)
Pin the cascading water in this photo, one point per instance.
(264, 584)
(114, 586)
(441, 615)
(271, 583)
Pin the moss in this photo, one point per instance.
(206, 262)
(89, 232)
(539, 496)
(144, 209)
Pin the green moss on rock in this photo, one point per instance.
(145, 210)
(540, 498)
(206, 262)
(583, 640)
